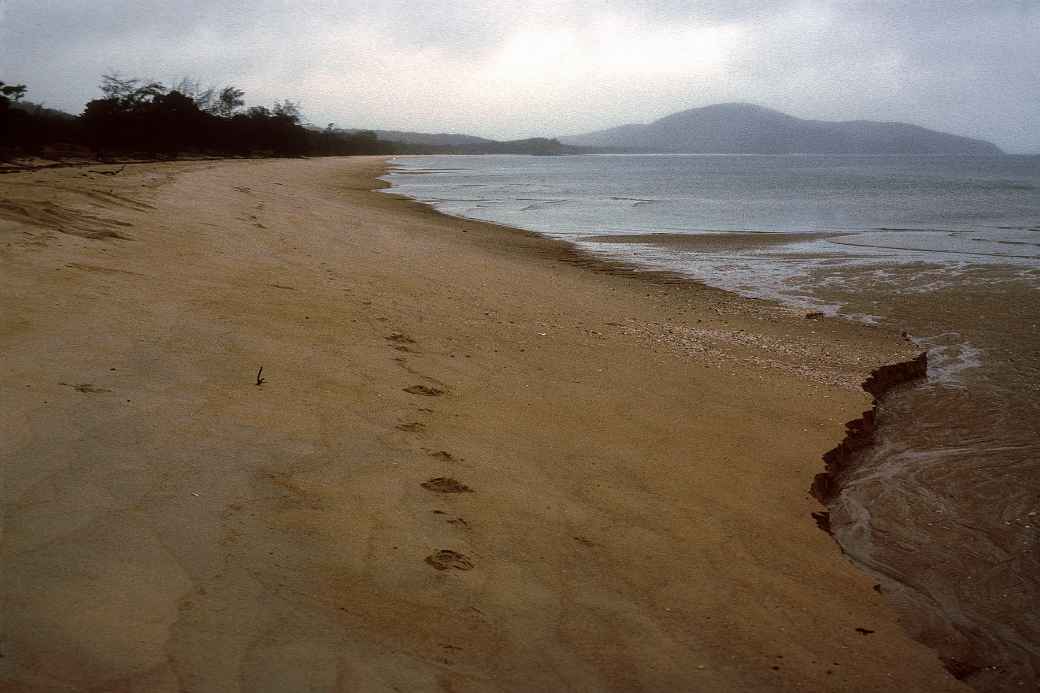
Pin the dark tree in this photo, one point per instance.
(179, 123)
(228, 101)
(137, 117)
(11, 121)
(130, 93)
(28, 128)
(204, 97)
(10, 92)
(288, 111)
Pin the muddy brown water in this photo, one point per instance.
(944, 507)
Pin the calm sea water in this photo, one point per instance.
(654, 193)
(945, 509)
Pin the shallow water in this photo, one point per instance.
(945, 508)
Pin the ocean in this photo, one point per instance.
(944, 509)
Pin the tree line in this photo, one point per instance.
(147, 119)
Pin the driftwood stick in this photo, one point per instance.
(109, 173)
(259, 380)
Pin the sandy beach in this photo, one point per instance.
(477, 460)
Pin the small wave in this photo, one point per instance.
(539, 204)
(949, 356)
(991, 240)
(438, 200)
(636, 201)
(917, 230)
(937, 251)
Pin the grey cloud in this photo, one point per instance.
(966, 67)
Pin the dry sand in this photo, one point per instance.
(474, 464)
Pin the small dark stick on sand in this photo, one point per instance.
(259, 380)
(108, 173)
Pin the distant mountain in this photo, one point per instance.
(41, 110)
(445, 143)
(440, 139)
(741, 128)
(533, 145)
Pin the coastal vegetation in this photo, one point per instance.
(147, 119)
(138, 118)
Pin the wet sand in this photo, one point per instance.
(945, 508)
(474, 463)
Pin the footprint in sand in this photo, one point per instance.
(445, 484)
(455, 521)
(424, 390)
(400, 341)
(446, 558)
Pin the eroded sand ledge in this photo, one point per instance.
(474, 464)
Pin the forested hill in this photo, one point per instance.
(455, 143)
(439, 139)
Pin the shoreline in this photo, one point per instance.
(859, 433)
(977, 649)
(590, 423)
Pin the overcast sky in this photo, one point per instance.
(507, 69)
